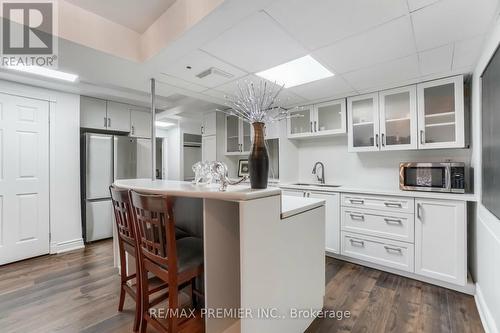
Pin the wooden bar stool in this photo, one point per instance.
(127, 243)
(177, 262)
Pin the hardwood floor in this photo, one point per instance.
(78, 292)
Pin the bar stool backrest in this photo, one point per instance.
(123, 215)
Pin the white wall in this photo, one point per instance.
(65, 218)
(369, 169)
(485, 247)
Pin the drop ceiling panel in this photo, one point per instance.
(200, 61)
(389, 41)
(417, 4)
(452, 20)
(331, 87)
(467, 52)
(388, 74)
(255, 44)
(436, 60)
(317, 23)
(174, 82)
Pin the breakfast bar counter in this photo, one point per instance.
(256, 244)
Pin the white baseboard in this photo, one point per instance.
(65, 246)
(484, 312)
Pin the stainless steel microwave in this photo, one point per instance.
(432, 177)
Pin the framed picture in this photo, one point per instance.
(242, 168)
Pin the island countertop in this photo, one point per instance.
(187, 189)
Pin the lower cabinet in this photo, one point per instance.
(441, 240)
(332, 213)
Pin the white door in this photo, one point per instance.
(209, 148)
(300, 123)
(330, 118)
(332, 221)
(363, 120)
(118, 116)
(398, 118)
(140, 123)
(24, 178)
(441, 113)
(440, 240)
(93, 113)
(209, 126)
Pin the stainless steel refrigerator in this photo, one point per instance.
(104, 159)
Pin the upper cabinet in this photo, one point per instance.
(140, 122)
(209, 124)
(317, 120)
(238, 139)
(441, 113)
(93, 113)
(363, 118)
(424, 116)
(118, 116)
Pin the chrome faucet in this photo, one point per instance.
(315, 172)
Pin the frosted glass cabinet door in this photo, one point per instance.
(330, 118)
(398, 118)
(363, 119)
(246, 136)
(232, 134)
(441, 113)
(300, 125)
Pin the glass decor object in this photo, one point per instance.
(257, 104)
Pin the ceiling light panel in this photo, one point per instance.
(296, 72)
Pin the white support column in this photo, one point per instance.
(153, 129)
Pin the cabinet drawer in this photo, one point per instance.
(395, 226)
(379, 251)
(385, 203)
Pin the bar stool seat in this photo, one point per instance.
(179, 233)
(189, 253)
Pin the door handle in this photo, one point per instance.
(315, 128)
(376, 140)
(105, 122)
(383, 140)
(109, 122)
(133, 129)
(419, 211)
(422, 137)
(202, 130)
(311, 126)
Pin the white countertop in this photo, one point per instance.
(291, 206)
(188, 189)
(385, 191)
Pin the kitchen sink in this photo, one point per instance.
(319, 185)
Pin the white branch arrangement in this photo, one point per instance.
(257, 103)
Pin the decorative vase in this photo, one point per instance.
(258, 161)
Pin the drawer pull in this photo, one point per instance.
(393, 221)
(357, 201)
(393, 204)
(357, 217)
(393, 249)
(354, 241)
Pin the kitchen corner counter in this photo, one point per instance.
(291, 206)
(188, 189)
(384, 191)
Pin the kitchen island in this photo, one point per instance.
(263, 252)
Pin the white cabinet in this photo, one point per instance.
(332, 216)
(209, 124)
(209, 148)
(272, 130)
(441, 113)
(363, 120)
(398, 118)
(238, 136)
(440, 240)
(93, 113)
(118, 115)
(327, 118)
(140, 123)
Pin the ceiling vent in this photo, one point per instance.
(214, 71)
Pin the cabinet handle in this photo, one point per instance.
(357, 217)
(395, 249)
(357, 201)
(133, 129)
(315, 128)
(419, 211)
(354, 241)
(393, 204)
(393, 221)
(376, 140)
(109, 122)
(105, 122)
(383, 140)
(202, 130)
(422, 137)
(312, 126)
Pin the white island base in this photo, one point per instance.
(264, 256)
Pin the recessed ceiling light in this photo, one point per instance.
(296, 72)
(44, 71)
(163, 124)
